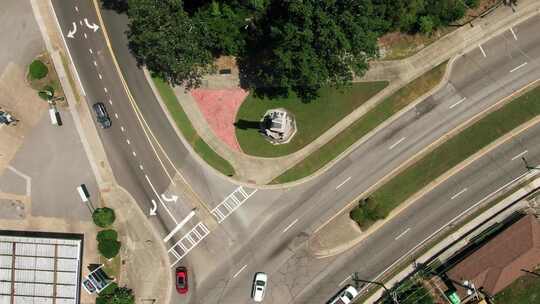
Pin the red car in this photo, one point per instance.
(181, 280)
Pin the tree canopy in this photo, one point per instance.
(280, 45)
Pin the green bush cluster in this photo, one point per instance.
(38, 70)
(366, 213)
(108, 244)
(115, 295)
(103, 217)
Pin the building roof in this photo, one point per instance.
(499, 262)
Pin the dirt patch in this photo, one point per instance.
(23, 103)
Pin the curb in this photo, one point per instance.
(439, 179)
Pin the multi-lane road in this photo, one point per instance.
(263, 230)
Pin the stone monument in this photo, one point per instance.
(278, 126)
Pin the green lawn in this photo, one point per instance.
(523, 290)
(312, 119)
(362, 126)
(451, 153)
(185, 126)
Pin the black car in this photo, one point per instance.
(101, 115)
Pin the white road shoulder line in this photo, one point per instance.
(396, 143)
(513, 34)
(343, 183)
(482, 50)
(459, 193)
(290, 225)
(518, 67)
(402, 234)
(457, 103)
(345, 280)
(239, 271)
(520, 155)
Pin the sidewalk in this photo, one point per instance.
(261, 171)
(145, 265)
(457, 239)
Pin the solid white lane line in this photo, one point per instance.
(85, 36)
(141, 167)
(481, 49)
(457, 103)
(343, 183)
(128, 141)
(95, 63)
(513, 33)
(116, 115)
(99, 75)
(179, 226)
(290, 225)
(345, 280)
(402, 234)
(459, 193)
(134, 154)
(110, 102)
(159, 198)
(397, 143)
(122, 128)
(520, 155)
(91, 51)
(518, 67)
(239, 271)
(105, 89)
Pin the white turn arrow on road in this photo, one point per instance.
(154, 208)
(92, 26)
(70, 32)
(172, 198)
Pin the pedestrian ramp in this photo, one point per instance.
(181, 248)
(232, 202)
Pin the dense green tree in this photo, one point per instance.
(164, 38)
(280, 45)
(426, 24)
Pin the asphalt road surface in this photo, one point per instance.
(265, 233)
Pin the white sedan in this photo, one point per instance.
(259, 286)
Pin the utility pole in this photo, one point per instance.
(527, 166)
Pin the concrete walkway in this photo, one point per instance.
(260, 171)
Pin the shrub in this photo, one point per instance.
(426, 24)
(366, 213)
(107, 235)
(109, 248)
(47, 93)
(118, 295)
(103, 217)
(38, 70)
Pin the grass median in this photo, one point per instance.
(190, 134)
(364, 125)
(446, 156)
(312, 118)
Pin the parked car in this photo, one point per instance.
(259, 286)
(345, 296)
(102, 116)
(181, 280)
